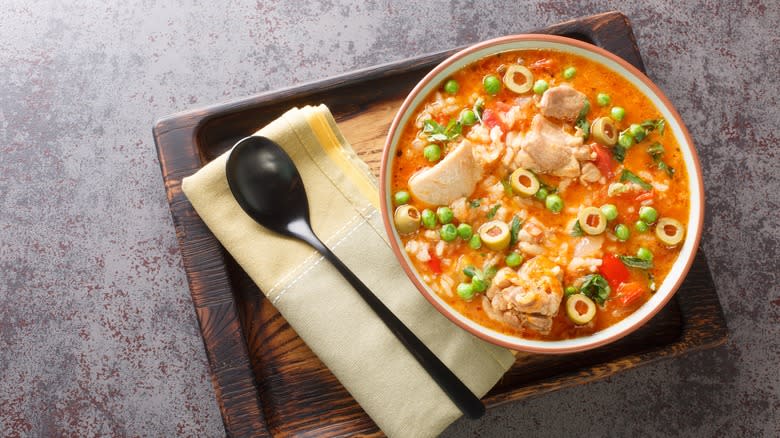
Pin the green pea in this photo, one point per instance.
(626, 140)
(641, 226)
(491, 84)
(541, 86)
(465, 291)
(467, 117)
(513, 259)
(570, 290)
(622, 233)
(644, 254)
(432, 152)
(428, 219)
(618, 113)
(465, 232)
(448, 232)
(648, 214)
(475, 242)
(603, 99)
(541, 194)
(479, 284)
(554, 203)
(444, 214)
(637, 132)
(609, 211)
(401, 197)
(569, 72)
(451, 86)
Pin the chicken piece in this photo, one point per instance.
(590, 173)
(453, 177)
(531, 298)
(547, 148)
(502, 280)
(562, 102)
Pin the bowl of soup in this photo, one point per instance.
(542, 193)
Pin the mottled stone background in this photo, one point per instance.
(97, 331)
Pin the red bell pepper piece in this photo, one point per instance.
(630, 294)
(603, 161)
(434, 264)
(614, 271)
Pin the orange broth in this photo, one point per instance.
(590, 79)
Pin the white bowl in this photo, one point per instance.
(674, 124)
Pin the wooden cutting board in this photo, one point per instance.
(267, 381)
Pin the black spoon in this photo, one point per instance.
(269, 188)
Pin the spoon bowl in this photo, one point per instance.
(269, 188)
(266, 184)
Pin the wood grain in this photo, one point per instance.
(267, 381)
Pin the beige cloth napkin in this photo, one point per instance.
(321, 305)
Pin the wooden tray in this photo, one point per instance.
(267, 382)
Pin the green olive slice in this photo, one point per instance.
(524, 182)
(495, 235)
(592, 220)
(604, 131)
(509, 79)
(580, 309)
(669, 231)
(407, 219)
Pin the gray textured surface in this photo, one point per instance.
(97, 331)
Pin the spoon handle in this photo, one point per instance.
(463, 398)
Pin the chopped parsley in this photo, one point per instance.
(629, 176)
(654, 125)
(475, 203)
(636, 262)
(585, 110)
(489, 272)
(576, 230)
(514, 229)
(493, 211)
(619, 152)
(584, 127)
(596, 288)
(436, 132)
(507, 187)
(656, 150)
(481, 276)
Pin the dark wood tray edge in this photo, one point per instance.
(617, 23)
(232, 376)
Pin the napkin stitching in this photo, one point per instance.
(357, 203)
(313, 265)
(315, 254)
